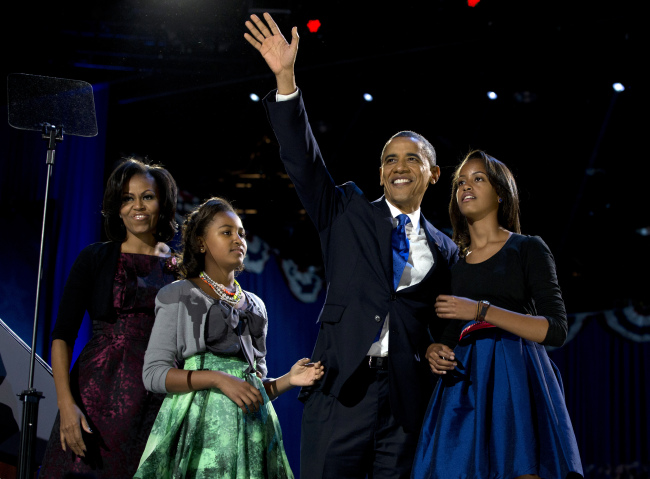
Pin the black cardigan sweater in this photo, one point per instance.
(89, 288)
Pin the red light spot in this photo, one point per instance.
(472, 3)
(313, 25)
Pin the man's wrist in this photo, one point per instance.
(286, 83)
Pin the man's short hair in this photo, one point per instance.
(427, 147)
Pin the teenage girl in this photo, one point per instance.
(499, 410)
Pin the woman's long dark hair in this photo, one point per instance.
(166, 226)
(502, 180)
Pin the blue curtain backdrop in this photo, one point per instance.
(291, 336)
(606, 378)
(607, 387)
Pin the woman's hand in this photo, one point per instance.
(71, 422)
(455, 307)
(533, 328)
(245, 395)
(71, 419)
(304, 373)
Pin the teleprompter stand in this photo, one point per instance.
(53, 106)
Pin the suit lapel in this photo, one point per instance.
(384, 227)
(434, 243)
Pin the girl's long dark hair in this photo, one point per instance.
(196, 222)
(503, 181)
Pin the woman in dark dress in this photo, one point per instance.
(105, 413)
(499, 410)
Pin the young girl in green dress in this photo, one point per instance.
(208, 353)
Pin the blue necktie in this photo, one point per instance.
(400, 243)
(400, 246)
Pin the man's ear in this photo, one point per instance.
(435, 174)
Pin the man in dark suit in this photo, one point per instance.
(378, 324)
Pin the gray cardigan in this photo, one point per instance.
(179, 331)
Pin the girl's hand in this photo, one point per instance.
(441, 358)
(246, 396)
(71, 422)
(304, 373)
(455, 307)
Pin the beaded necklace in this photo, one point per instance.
(221, 291)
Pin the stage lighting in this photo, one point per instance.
(491, 95)
(313, 25)
(367, 96)
(254, 97)
(618, 87)
(472, 3)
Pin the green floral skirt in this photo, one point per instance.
(203, 434)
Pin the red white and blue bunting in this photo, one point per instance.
(304, 284)
(631, 322)
(257, 255)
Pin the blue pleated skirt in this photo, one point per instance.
(500, 414)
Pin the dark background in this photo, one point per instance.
(173, 81)
(180, 73)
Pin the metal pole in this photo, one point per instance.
(31, 397)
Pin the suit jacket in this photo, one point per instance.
(355, 239)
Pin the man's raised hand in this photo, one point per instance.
(279, 55)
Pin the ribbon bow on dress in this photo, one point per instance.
(229, 330)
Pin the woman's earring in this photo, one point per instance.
(500, 200)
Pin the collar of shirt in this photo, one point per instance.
(414, 217)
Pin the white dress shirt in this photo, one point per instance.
(418, 265)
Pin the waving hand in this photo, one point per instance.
(279, 55)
